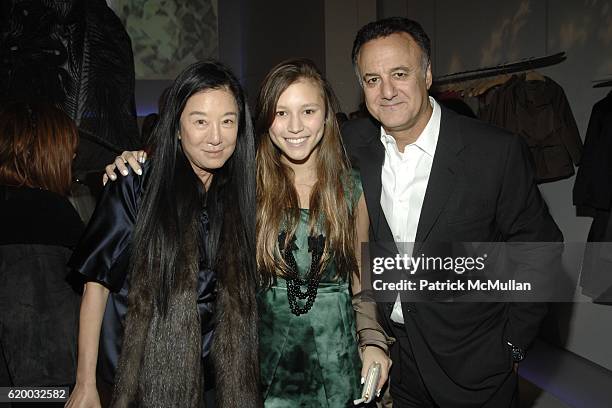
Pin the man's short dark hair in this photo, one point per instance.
(386, 27)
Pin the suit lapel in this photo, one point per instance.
(442, 176)
(441, 180)
(371, 170)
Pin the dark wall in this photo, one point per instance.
(253, 37)
(231, 24)
(256, 35)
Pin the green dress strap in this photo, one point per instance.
(353, 189)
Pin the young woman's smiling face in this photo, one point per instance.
(299, 122)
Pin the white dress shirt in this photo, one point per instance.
(404, 180)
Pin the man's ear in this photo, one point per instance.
(428, 76)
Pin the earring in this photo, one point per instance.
(178, 135)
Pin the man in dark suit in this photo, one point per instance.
(430, 175)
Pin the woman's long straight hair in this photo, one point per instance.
(277, 199)
(174, 197)
(160, 360)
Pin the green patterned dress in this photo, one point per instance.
(310, 360)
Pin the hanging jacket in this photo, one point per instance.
(539, 112)
(593, 186)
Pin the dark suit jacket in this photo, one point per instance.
(482, 188)
(39, 307)
(593, 186)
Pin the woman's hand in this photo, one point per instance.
(371, 355)
(132, 158)
(84, 396)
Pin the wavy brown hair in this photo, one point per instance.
(37, 144)
(277, 199)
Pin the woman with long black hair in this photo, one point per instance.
(175, 249)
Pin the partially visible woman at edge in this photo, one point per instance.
(311, 220)
(39, 310)
(183, 235)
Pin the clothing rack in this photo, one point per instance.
(506, 68)
(602, 83)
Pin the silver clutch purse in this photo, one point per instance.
(369, 387)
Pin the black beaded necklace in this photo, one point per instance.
(311, 280)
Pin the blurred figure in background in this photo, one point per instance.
(150, 121)
(38, 307)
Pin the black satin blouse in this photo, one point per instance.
(103, 256)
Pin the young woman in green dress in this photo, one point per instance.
(311, 219)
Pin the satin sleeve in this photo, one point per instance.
(102, 254)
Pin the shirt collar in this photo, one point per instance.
(428, 139)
